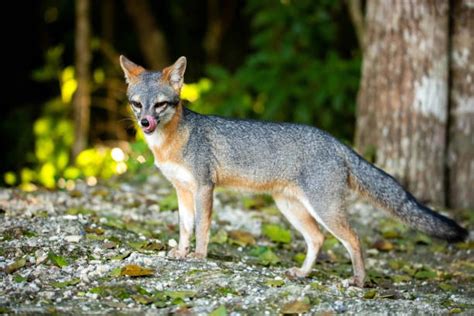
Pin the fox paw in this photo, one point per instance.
(354, 281)
(196, 256)
(296, 273)
(175, 253)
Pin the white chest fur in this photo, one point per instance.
(176, 173)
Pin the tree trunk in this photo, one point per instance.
(461, 131)
(403, 98)
(151, 39)
(219, 17)
(82, 98)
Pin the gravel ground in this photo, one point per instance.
(102, 250)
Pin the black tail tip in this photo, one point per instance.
(459, 234)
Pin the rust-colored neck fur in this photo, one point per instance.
(171, 139)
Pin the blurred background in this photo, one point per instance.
(65, 115)
(263, 59)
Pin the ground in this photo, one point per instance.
(102, 249)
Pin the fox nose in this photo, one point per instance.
(145, 122)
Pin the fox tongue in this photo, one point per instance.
(152, 124)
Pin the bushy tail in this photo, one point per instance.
(386, 192)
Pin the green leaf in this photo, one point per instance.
(370, 294)
(180, 294)
(299, 257)
(220, 237)
(277, 233)
(220, 311)
(19, 279)
(274, 283)
(268, 258)
(122, 256)
(446, 287)
(116, 272)
(400, 278)
(425, 274)
(20, 263)
(57, 260)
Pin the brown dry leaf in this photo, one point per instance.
(241, 237)
(20, 263)
(383, 245)
(134, 270)
(295, 307)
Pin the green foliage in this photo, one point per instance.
(294, 72)
(277, 233)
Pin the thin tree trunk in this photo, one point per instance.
(151, 39)
(461, 129)
(357, 17)
(82, 98)
(403, 98)
(219, 17)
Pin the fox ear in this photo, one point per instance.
(174, 74)
(130, 69)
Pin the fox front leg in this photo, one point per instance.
(203, 207)
(186, 223)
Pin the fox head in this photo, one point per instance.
(153, 95)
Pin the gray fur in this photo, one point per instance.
(320, 164)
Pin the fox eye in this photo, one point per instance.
(160, 104)
(136, 104)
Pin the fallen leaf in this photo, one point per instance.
(370, 294)
(94, 230)
(20, 263)
(391, 234)
(277, 233)
(383, 245)
(220, 237)
(296, 307)
(299, 257)
(57, 260)
(241, 238)
(274, 283)
(268, 258)
(142, 299)
(220, 311)
(134, 270)
(426, 273)
(121, 256)
(446, 287)
(19, 279)
(400, 278)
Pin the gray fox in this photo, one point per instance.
(307, 171)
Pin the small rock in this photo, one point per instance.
(73, 238)
(172, 243)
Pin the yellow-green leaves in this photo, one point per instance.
(277, 233)
(134, 270)
(57, 260)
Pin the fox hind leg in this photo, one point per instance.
(302, 221)
(333, 217)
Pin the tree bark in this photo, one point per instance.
(219, 17)
(461, 129)
(151, 39)
(403, 97)
(82, 97)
